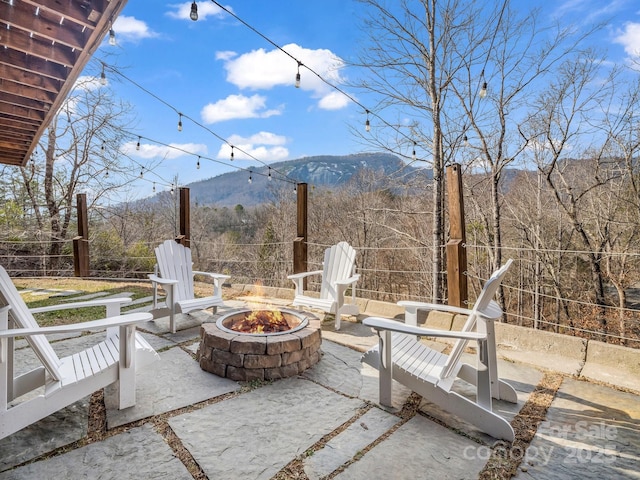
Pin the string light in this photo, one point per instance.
(347, 95)
(232, 153)
(285, 177)
(112, 37)
(106, 174)
(138, 144)
(172, 189)
(413, 155)
(142, 172)
(298, 76)
(103, 76)
(102, 146)
(269, 177)
(250, 179)
(483, 90)
(179, 122)
(194, 11)
(198, 164)
(154, 187)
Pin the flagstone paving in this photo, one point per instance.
(325, 420)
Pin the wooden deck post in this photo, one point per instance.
(300, 242)
(185, 218)
(456, 250)
(81, 242)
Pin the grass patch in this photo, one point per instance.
(45, 291)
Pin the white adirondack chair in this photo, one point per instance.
(176, 275)
(61, 381)
(401, 356)
(338, 273)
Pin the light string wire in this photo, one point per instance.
(366, 110)
(299, 63)
(284, 176)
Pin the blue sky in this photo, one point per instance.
(231, 80)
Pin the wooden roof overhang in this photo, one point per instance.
(44, 46)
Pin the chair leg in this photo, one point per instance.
(127, 368)
(386, 369)
(172, 309)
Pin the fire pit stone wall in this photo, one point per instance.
(242, 357)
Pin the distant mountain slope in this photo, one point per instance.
(230, 189)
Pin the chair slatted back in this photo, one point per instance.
(23, 318)
(339, 262)
(482, 305)
(174, 262)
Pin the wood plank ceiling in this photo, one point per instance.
(44, 47)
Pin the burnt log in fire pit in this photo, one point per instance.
(245, 345)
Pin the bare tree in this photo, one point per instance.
(415, 50)
(80, 152)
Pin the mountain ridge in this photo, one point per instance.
(322, 171)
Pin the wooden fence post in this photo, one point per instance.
(81, 242)
(185, 218)
(456, 250)
(300, 242)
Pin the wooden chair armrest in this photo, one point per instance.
(349, 280)
(296, 276)
(378, 323)
(162, 281)
(90, 303)
(434, 306)
(127, 319)
(215, 276)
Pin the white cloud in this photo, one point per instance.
(262, 70)
(264, 138)
(629, 38)
(225, 55)
(265, 146)
(333, 101)
(88, 83)
(237, 106)
(130, 29)
(174, 150)
(181, 11)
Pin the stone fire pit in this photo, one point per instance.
(260, 356)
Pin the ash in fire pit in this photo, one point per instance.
(246, 345)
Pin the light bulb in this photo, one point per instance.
(232, 153)
(106, 174)
(103, 77)
(269, 177)
(298, 80)
(194, 11)
(141, 172)
(367, 125)
(112, 37)
(413, 155)
(465, 139)
(103, 143)
(198, 164)
(180, 123)
(154, 187)
(138, 144)
(171, 189)
(250, 179)
(483, 90)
